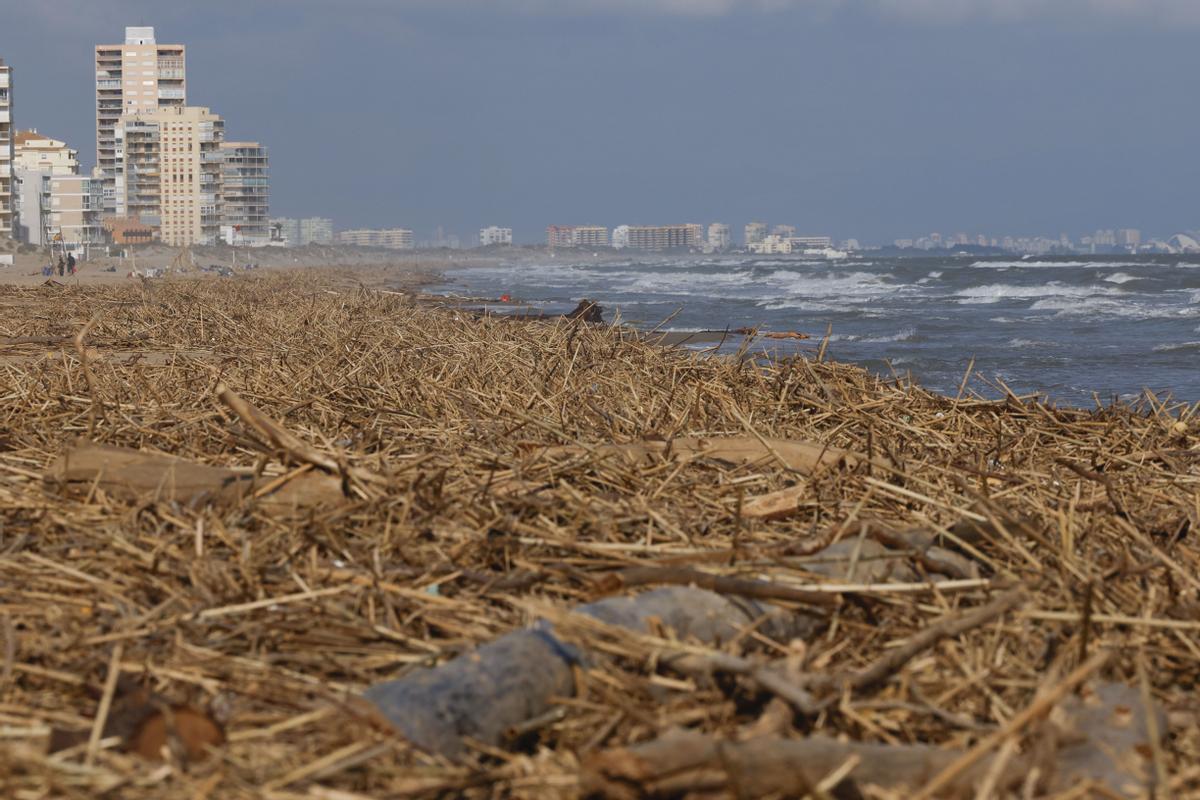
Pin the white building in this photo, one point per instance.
(7, 182)
(494, 235)
(389, 238)
(719, 238)
(285, 231)
(316, 230)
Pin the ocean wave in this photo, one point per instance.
(1108, 307)
(1119, 278)
(1177, 347)
(904, 335)
(1027, 343)
(995, 292)
(1065, 264)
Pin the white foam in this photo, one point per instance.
(1178, 346)
(995, 292)
(1065, 264)
(1119, 278)
(1027, 343)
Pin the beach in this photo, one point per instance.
(269, 503)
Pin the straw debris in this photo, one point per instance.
(241, 519)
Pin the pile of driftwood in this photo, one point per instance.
(332, 543)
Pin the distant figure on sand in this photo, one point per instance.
(70, 263)
(62, 265)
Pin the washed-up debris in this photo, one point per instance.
(88, 468)
(151, 727)
(803, 457)
(959, 590)
(483, 695)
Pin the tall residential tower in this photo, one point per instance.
(6, 152)
(172, 172)
(138, 77)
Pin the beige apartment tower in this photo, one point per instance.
(172, 172)
(134, 78)
(7, 202)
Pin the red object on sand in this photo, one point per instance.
(504, 298)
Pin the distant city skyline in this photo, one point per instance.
(512, 113)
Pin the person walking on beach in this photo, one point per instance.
(61, 266)
(70, 263)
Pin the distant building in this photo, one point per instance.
(172, 172)
(124, 230)
(38, 153)
(576, 236)
(784, 231)
(851, 244)
(316, 230)
(7, 181)
(771, 245)
(620, 237)
(37, 158)
(776, 244)
(657, 238)
(719, 237)
(390, 238)
(58, 208)
(755, 232)
(137, 77)
(493, 235)
(286, 231)
(245, 194)
(1129, 237)
(811, 242)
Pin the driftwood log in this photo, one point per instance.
(1105, 735)
(692, 764)
(141, 476)
(806, 458)
(483, 694)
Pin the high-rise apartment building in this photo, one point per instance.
(784, 231)
(245, 194)
(577, 236)
(719, 237)
(755, 232)
(316, 230)
(664, 237)
(134, 78)
(172, 172)
(7, 181)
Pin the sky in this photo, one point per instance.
(874, 119)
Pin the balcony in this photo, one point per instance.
(108, 84)
(171, 94)
(3, 80)
(166, 73)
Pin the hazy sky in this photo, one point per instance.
(867, 118)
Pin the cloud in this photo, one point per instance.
(1165, 12)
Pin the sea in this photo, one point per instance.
(1076, 330)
